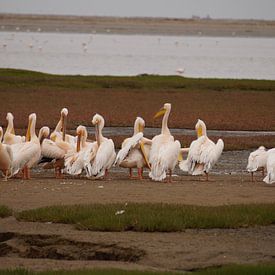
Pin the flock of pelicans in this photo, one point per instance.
(75, 155)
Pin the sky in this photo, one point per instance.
(236, 9)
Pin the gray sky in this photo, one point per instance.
(243, 9)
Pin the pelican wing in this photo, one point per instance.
(127, 146)
(24, 154)
(166, 159)
(50, 149)
(75, 162)
(257, 159)
(104, 153)
(270, 167)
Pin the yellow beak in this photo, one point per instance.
(161, 112)
(28, 135)
(199, 132)
(140, 128)
(78, 141)
(144, 154)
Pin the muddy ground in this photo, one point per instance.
(155, 26)
(41, 246)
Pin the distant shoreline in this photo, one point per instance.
(137, 25)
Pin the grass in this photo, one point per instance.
(225, 270)
(5, 211)
(239, 269)
(221, 103)
(83, 272)
(148, 217)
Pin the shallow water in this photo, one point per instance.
(112, 54)
(128, 131)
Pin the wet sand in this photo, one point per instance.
(152, 26)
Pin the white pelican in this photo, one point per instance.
(10, 137)
(5, 157)
(59, 132)
(105, 154)
(270, 167)
(165, 150)
(203, 153)
(55, 148)
(77, 159)
(135, 150)
(26, 155)
(257, 161)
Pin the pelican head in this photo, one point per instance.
(32, 121)
(200, 128)
(166, 107)
(139, 125)
(43, 133)
(98, 119)
(64, 112)
(9, 116)
(80, 132)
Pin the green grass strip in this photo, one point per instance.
(148, 217)
(84, 272)
(17, 78)
(239, 270)
(5, 211)
(225, 270)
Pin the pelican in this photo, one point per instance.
(6, 157)
(165, 150)
(26, 155)
(77, 159)
(270, 167)
(257, 161)
(10, 137)
(59, 132)
(103, 158)
(203, 153)
(55, 148)
(135, 150)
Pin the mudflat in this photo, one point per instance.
(124, 25)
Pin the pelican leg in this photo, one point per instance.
(207, 178)
(6, 175)
(140, 172)
(28, 173)
(24, 171)
(263, 172)
(169, 176)
(252, 176)
(106, 174)
(130, 173)
(59, 173)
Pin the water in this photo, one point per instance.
(128, 131)
(112, 54)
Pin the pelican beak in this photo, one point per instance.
(64, 125)
(12, 131)
(199, 131)
(97, 134)
(140, 128)
(28, 135)
(161, 112)
(180, 158)
(79, 135)
(144, 154)
(53, 137)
